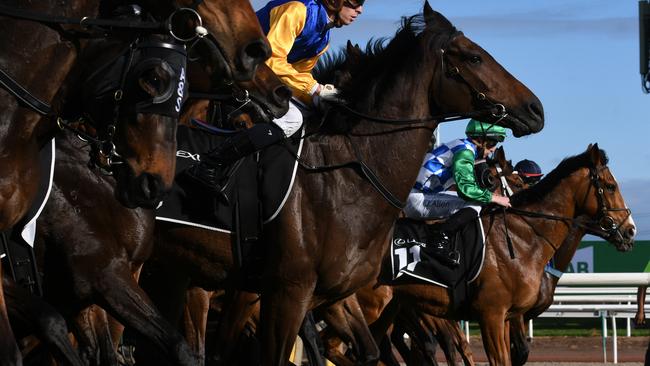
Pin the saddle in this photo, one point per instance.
(417, 256)
(257, 187)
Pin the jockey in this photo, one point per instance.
(529, 171)
(299, 33)
(446, 184)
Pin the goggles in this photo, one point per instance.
(489, 143)
(353, 3)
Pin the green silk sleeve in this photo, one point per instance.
(465, 181)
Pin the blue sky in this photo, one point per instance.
(580, 57)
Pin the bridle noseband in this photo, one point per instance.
(605, 225)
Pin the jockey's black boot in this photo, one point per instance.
(213, 170)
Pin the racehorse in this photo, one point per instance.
(417, 71)
(372, 300)
(424, 70)
(117, 254)
(38, 53)
(538, 223)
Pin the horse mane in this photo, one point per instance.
(375, 68)
(568, 166)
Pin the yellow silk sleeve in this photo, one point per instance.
(286, 22)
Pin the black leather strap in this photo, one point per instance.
(24, 97)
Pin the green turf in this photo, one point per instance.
(586, 327)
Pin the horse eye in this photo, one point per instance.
(152, 82)
(610, 187)
(475, 60)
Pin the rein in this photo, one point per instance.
(605, 225)
(497, 111)
(27, 99)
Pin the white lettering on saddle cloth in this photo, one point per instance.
(188, 155)
(180, 90)
(407, 252)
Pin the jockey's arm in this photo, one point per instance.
(468, 188)
(287, 22)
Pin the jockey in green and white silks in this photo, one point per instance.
(446, 182)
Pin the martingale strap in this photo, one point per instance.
(24, 97)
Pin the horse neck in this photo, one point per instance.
(554, 238)
(396, 152)
(39, 59)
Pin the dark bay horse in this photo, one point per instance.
(39, 57)
(540, 221)
(93, 254)
(335, 227)
(424, 70)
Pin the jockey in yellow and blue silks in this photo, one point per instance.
(299, 33)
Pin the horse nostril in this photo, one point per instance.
(282, 94)
(258, 51)
(536, 109)
(150, 186)
(630, 232)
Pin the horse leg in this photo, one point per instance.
(94, 336)
(347, 320)
(461, 344)
(31, 315)
(338, 331)
(312, 341)
(380, 327)
(518, 343)
(446, 343)
(129, 304)
(195, 320)
(363, 342)
(237, 310)
(386, 353)
(397, 339)
(494, 338)
(9, 352)
(282, 313)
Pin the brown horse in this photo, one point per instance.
(110, 282)
(374, 298)
(537, 225)
(51, 53)
(324, 208)
(433, 69)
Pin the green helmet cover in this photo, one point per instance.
(477, 128)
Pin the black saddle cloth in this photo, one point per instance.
(187, 203)
(16, 244)
(413, 256)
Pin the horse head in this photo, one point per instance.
(241, 104)
(469, 79)
(130, 99)
(603, 201)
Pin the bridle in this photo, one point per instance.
(496, 110)
(104, 92)
(104, 152)
(604, 225)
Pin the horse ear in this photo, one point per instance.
(594, 153)
(433, 19)
(353, 51)
(500, 155)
